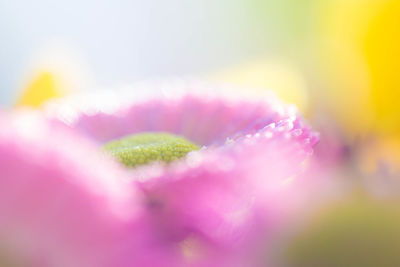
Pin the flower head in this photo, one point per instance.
(200, 209)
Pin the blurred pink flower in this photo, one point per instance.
(64, 203)
(61, 202)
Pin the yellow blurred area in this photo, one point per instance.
(359, 59)
(44, 86)
(55, 70)
(382, 50)
(380, 153)
(281, 77)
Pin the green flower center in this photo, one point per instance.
(144, 148)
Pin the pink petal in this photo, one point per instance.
(243, 184)
(62, 203)
(202, 119)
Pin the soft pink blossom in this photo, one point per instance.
(64, 203)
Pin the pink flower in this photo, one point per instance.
(64, 203)
(61, 202)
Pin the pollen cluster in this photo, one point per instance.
(144, 148)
